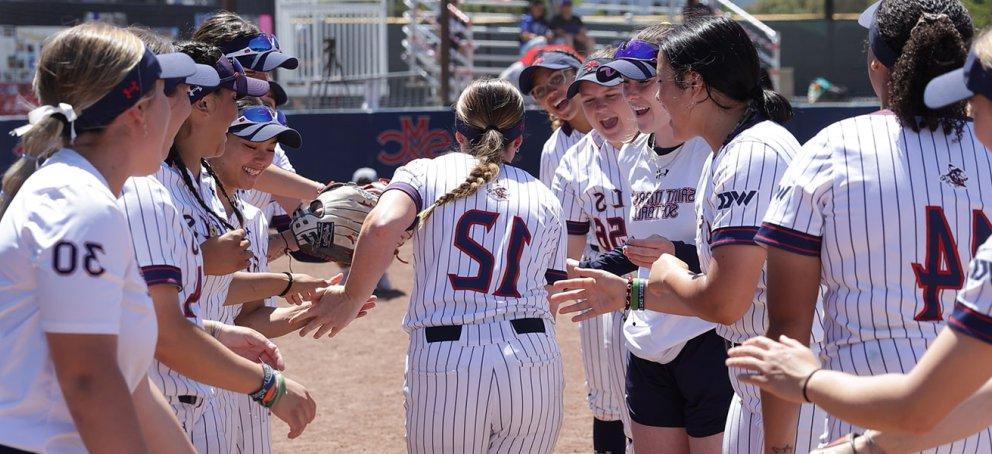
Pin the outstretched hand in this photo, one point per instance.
(779, 367)
(592, 293)
(332, 312)
(250, 344)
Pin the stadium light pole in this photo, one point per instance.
(445, 52)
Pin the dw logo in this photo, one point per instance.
(727, 199)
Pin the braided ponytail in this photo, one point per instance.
(492, 108)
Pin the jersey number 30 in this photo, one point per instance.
(65, 258)
(942, 268)
(519, 237)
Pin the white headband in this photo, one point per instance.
(41, 113)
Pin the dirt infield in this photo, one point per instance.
(357, 379)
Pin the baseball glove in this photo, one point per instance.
(328, 226)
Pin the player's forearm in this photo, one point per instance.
(667, 301)
(966, 419)
(280, 243)
(272, 322)
(794, 285)
(375, 250)
(193, 352)
(689, 294)
(880, 402)
(281, 182)
(247, 287)
(158, 422)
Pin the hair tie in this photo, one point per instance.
(933, 17)
(41, 113)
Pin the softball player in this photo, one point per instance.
(718, 98)
(589, 184)
(484, 372)
(915, 169)
(546, 80)
(259, 54)
(956, 364)
(195, 193)
(79, 328)
(249, 149)
(677, 387)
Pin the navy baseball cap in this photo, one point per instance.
(590, 73)
(884, 53)
(553, 60)
(634, 59)
(963, 83)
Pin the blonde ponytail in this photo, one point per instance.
(77, 67)
(493, 107)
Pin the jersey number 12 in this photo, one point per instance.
(942, 268)
(519, 237)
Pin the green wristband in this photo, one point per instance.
(637, 299)
(280, 390)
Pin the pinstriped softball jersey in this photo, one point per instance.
(465, 242)
(893, 216)
(555, 147)
(210, 428)
(167, 254)
(973, 312)
(482, 262)
(250, 422)
(734, 191)
(590, 185)
(204, 227)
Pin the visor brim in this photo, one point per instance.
(262, 132)
(947, 89)
(176, 65)
(632, 69)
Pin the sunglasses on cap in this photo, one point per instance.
(258, 114)
(262, 42)
(636, 49)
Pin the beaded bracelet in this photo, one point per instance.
(630, 290)
(268, 379)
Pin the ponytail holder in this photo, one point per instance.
(41, 113)
(933, 17)
(473, 134)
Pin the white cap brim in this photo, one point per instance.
(176, 65)
(868, 16)
(947, 89)
(264, 131)
(205, 76)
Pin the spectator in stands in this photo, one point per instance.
(569, 29)
(534, 27)
(696, 8)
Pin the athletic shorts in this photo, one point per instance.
(692, 391)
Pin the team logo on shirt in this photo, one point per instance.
(954, 177)
(661, 173)
(741, 198)
(498, 193)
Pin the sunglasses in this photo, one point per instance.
(263, 42)
(554, 82)
(258, 115)
(636, 49)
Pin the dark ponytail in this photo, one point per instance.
(933, 37)
(719, 50)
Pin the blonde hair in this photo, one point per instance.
(77, 66)
(491, 105)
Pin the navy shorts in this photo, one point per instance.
(692, 391)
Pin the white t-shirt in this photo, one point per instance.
(69, 268)
(662, 201)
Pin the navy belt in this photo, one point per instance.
(594, 247)
(450, 333)
(188, 400)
